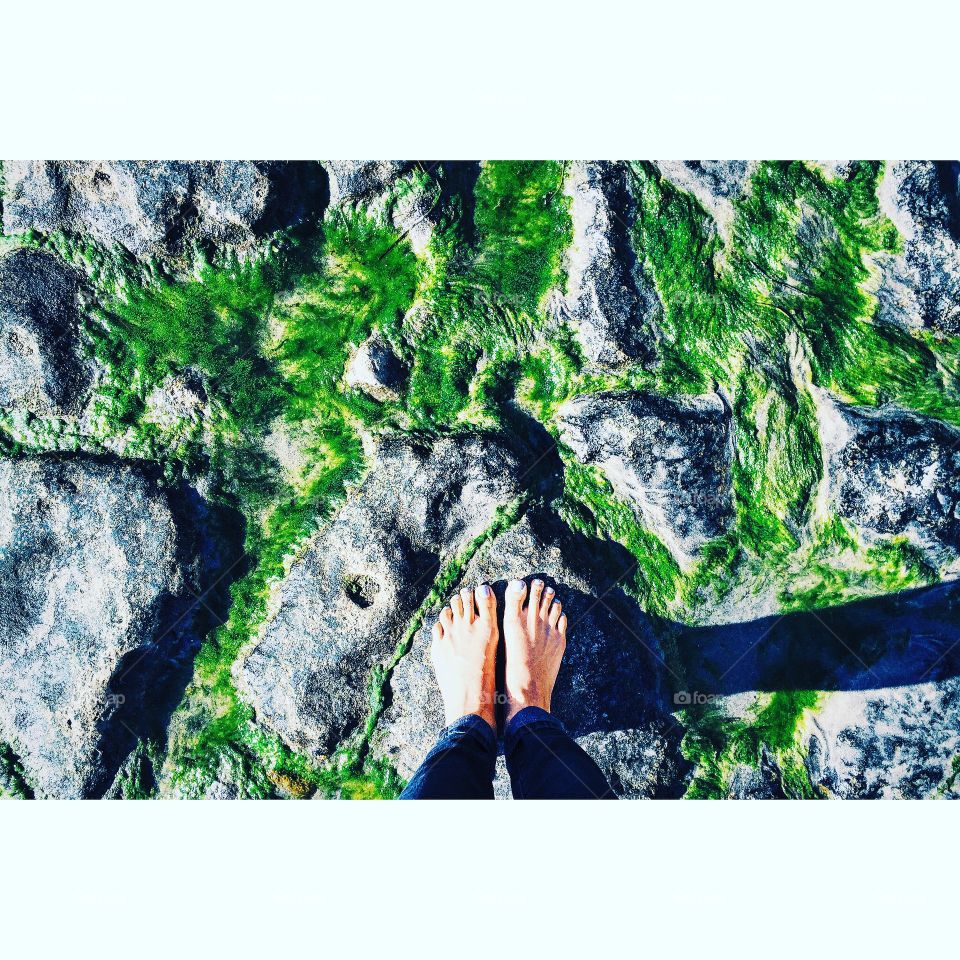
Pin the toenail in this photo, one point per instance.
(538, 583)
(484, 590)
(549, 590)
(516, 584)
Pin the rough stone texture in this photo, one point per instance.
(158, 209)
(614, 306)
(715, 184)
(353, 180)
(668, 457)
(608, 690)
(88, 554)
(898, 742)
(346, 602)
(892, 472)
(375, 369)
(41, 366)
(921, 287)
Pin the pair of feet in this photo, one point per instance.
(464, 649)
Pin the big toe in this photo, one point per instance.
(486, 602)
(513, 603)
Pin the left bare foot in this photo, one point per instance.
(464, 654)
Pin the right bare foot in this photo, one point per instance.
(535, 636)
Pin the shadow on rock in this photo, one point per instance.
(888, 641)
(148, 683)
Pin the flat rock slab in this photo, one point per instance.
(894, 473)
(159, 208)
(614, 305)
(899, 742)
(921, 286)
(608, 690)
(41, 366)
(348, 599)
(668, 457)
(88, 554)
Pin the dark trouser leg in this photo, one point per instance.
(546, 763)
(460, 766)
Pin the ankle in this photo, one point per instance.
(516, 704)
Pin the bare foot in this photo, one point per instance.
(535, 636)
(464, 655)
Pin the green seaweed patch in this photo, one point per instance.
(717, 743)
(591, 507)
(13, 780)
(838, 567)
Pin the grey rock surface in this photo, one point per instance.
(892, 472)
(613, 304)
(159, 208)
(88, 554)
(715, 183)
(898, 742)
(668, 457)
(353, 180)
(375, 369)
(42, 368)
(608, 690)
(921, 286)
(347, 600)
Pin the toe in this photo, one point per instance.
(486, 602)
(446, 619)
(457, 604)
(548, 595)
(516, 593)
(555, 611)
(562, 625)
(533, 610)
(469, 610)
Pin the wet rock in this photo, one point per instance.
(613, 304)
(762, 782)
(159, 209)
(898, 742)
(376, 369)
(347, 600)
(41, 366)
(180, 399)
(893, 473)
(668, 457)
(353, 180)
(88, 556)
(715, 183)
(608, 690)
(921, 287)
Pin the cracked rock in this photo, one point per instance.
(347, 600)
(892, 472)
(668, 457)
(613, 304)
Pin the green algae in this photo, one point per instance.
(717, 744)
(13, 779)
